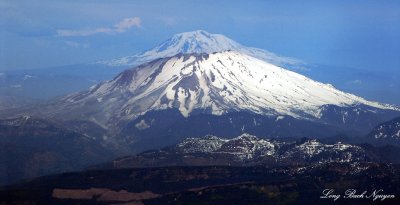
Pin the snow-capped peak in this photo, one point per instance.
(198, 42)
(216, 84)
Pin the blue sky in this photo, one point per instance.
(358, 34)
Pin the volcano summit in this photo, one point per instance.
(213, 85)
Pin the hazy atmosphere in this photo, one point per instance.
(151, 102)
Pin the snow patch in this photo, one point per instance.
(142, 125)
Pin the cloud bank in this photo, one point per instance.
(119, 27)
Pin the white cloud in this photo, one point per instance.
(127, 23)
(119, 27)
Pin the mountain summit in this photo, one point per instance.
(198, 42)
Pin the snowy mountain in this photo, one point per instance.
(199, 42)
(227, 92)
(215, 83)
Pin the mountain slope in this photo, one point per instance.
(387, 133)
(31, 147)
(212, 83)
